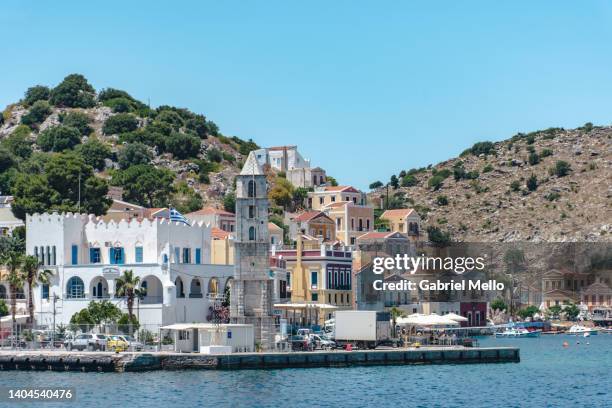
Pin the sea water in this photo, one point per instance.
(548, 375)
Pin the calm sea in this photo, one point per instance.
(548, 376)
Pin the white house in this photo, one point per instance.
(87, 255)
(297, 169)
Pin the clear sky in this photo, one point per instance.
(366, 89)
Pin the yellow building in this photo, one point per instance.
(314, 223)
(324, 196)
(404, 220)
(351, 220)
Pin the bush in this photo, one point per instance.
(73, 92)
(552, 196)
(408, 181)
(529, 311)
(487, 168)
(18, 143)
(229, 202)
(183, 146)
(94, 153)
(6, 159)
(530, 139)
(532, 183)
(37, 114)
(499, 304)
(214, 155)
(119, 105)
(534, 159)
(438, 237)
(546, 153)
(77, 120)
(111, 93)
(36, 93)
(587, 127)
(435, 182)
(442, 200)
(170, 117)
(481, 148)
(377, 184)
(58, 138)
(459, 173)
(562, 168)
(515, 185)
(133, 154)
(199, 126)
(120, 123)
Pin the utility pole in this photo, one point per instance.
(79, 205)
(54, 313)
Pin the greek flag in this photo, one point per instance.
(177, 216)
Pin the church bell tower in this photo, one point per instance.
(252, 288)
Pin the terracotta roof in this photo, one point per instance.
(282, 147)
(349, 189)
(338, 204)
(210, 210)
(218, 233)
(273, 226)
(380, 235)
(307, 216)
(401, 212)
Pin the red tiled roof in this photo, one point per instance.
(348, 189)
(338, 204)
(282, 147)
(210, 210)
(273, 226)
(218, 233)
(380, 235)
(307, 216)
(401, 212)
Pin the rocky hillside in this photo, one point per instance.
(551, 185)
(158, 156)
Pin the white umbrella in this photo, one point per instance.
(427, 320)
(456, 317)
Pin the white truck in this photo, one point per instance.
(363, 328)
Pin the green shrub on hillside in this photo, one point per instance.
(133, 154)
(94, 152)
(58, 138)
(183, 146)
(36, 93)
(120, 123)
(37, 114)
(73, 92)
(561, 169)
(77, 120)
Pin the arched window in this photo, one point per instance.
(75, 289)
(180, 291)
(252, 191)
(251, 233)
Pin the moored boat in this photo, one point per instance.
(518, 332)
(578, 330)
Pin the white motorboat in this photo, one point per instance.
(578, 330)
(518, 332)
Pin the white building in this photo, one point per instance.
(297, 169)
(87, 255)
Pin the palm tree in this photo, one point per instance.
(33, 276)
(395, 313)
(127, 285)
(11, 256)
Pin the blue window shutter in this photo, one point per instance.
(198, 256)
(138, 254)
(75, 254)
(111, 256)
(121, 256)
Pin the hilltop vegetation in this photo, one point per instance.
(58, 144)
(549, 185)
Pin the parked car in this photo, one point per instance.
(320, 342)
(133, 344)
(91, 342)
(117, 343)
(301, 343)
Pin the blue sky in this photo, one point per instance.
(366, 89)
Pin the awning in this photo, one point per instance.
(456, 317)
(290, 306)
(426, 320)
(21, 319)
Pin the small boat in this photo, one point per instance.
(577, 330)
(518, 332)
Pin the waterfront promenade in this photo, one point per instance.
(133, 361)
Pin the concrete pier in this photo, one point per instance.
(120, 362)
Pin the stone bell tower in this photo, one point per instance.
(252, 288)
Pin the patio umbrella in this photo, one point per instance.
(456, 317)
